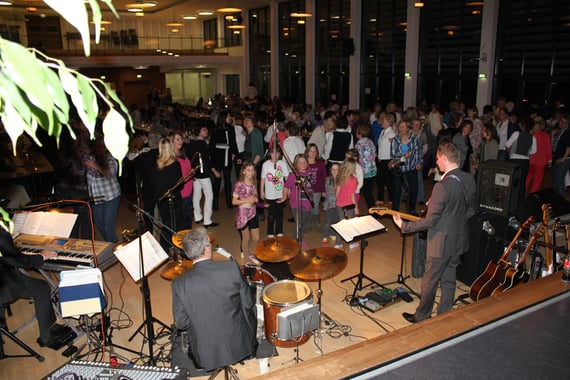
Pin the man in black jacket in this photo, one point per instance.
(14, 284)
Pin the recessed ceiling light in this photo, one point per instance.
(189, 17)
(141, 4)
(135, 10)
(175, 23)
(228, 10)
(300, 14)
(139, 14)
(5, 2)
(236, 26)
(205, 12)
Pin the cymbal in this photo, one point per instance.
(318, 263)
(179, 236)
(276, 249)
(175, 268)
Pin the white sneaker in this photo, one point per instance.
(270, 235)
(279, 235)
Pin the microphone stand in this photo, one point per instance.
(299, 185)
(149, 319)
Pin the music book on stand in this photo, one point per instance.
(349, 229)
(81, 292)
(153, 256)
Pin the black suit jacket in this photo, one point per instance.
(11, 260)
(214, 302)
(451, 205)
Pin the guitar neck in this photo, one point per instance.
(516, 237)
(386, 211)
(546, 209)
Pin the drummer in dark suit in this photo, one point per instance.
(214, 304)
(451, 204)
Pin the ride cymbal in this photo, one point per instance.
(318, 263)
(276, 249)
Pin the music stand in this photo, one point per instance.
(360, 227)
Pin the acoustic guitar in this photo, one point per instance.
(387, 211)
(516, 275)
(494, 274)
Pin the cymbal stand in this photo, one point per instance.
(361, 276)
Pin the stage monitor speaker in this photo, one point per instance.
(488, 236)
(498, 186)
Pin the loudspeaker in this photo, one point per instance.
(487, 237)
(347, 47)
(498, 186)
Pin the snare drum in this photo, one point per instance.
(278, 296)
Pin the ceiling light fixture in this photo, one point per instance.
(141, 4)
(228, 10)
(205, 12)
(300, 14)
(139, 14)
(189, 17)
(135, 10)
(5, 2)
(419, 4)
(236, 26)
(175, 24)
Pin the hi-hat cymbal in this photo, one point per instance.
(277, 249)
(175, 268)
(179, 236)
(318, 263)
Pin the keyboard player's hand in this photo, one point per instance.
(48, 254)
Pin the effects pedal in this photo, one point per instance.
(404, 295)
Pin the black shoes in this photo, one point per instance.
(59, 336)
(410, 317)
(198, 221)
(213, 224)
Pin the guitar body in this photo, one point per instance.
(480, 282)
(508, 282)
(495, 281)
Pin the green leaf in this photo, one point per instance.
(116, 136)
(55, 89)
(111, 7)
(75, 13)
(96, 18)
(11, 93)
(118, 101)
(89, 101)
(22, 67)
(70, 85)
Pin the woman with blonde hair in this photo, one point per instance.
(167, 174)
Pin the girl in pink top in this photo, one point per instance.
(244, 198)
(346, 203)
(186, 190)
(298, 198)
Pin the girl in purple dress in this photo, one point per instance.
(244, 198)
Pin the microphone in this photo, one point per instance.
(275, 142)
(488, 228)
(201, 163)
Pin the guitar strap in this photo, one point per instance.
(462, 189)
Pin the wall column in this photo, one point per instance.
(354, 77)
(489, 27)
(412, 51)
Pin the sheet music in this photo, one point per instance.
(44, 223)
(153, 256)
(349, 229)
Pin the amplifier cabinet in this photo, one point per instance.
(498, 186)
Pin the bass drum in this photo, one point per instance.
(276, 297)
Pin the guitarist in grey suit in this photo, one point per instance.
(451, 204)
(215, 305)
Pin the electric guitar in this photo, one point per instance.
(387, 211)
(494, 274)
(516, 275)
(549, 269)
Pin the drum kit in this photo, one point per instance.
(281, 297)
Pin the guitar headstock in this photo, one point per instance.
(380, 210)
(527, 223)
(546, 212)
